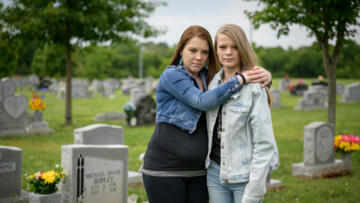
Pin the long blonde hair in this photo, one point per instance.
(246, 53)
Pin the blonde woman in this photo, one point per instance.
(241, 144)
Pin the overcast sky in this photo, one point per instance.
(211, 14)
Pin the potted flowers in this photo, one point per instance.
(345, 144)
(37, 105)
(43, 186)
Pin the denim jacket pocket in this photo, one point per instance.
(239, 114)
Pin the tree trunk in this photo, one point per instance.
(332, 95)
(330, 69)
(68, 114)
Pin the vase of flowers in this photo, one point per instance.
(37, 105)
(43, 186)
(345, 144)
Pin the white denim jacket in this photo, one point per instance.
(248, 146)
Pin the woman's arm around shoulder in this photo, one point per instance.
(182, 86)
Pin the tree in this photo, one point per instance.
(8, 50)
(327, 20)
(69, 23)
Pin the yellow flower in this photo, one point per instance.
(50, 176)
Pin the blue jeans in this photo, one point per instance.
(223, 192)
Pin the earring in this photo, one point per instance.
(180, 62)
(207, 64)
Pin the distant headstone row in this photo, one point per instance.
(317, 96)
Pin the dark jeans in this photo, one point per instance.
(176, 189)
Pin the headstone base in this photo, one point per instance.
(349, 101)
(39, 128)
(135, 179)
(308, 108)
(23, 198)
(12, 132)
(338, 168)
(45, 198)
(110, 116)
(273, 184)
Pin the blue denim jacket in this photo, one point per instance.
(180, 101)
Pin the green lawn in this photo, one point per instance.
(44, 151)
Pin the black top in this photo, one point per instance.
(216, 146)
(174, 149)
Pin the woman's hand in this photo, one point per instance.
(258, 74)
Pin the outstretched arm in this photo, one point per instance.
(183, 88)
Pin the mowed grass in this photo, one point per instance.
(42, 152)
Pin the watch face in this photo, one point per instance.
(324, 144)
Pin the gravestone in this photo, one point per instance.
(13, 117)
(99, 134)
(80, 89)
(34, 81)
(319, 155)
(276, 95)
(39, 128)
(102, 134)
(61, 94)
(10, 175)
(283, 84)
(351, 93)
(115, 116)
(340, 88)
(115, 83)
(54, 87)
(96, 173)
(314, 98)
(96, 86)
(136, 94)
(108, 89)
(145, 112)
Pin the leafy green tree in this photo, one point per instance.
(349, 61)
(8, 55)
(8, 49)
(325, 19)
(68, 23)
(26, 53)
(49, 61)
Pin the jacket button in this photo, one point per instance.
(223, 130)
(224, 113)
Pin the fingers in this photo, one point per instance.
(265, 84)
(255, 71)
(258, 75)
(257, 78)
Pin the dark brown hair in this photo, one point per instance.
(202, 33)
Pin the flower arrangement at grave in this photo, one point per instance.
(45, 182)
(36, 104)
(346, 143)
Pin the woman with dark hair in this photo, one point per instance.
(173, 169)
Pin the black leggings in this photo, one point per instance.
(176, 189)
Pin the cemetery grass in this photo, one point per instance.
(42, 152)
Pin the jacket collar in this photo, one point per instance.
(203, 75)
